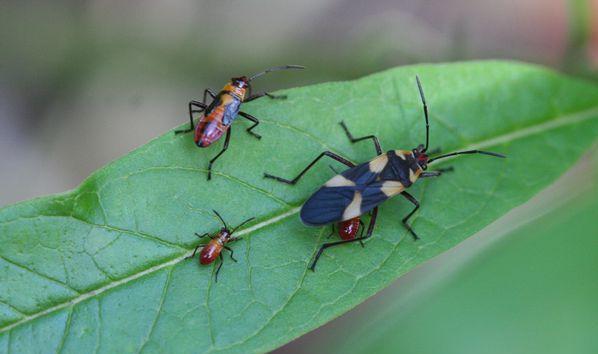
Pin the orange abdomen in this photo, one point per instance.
(210, 252)
(348, 229)
(210, 127)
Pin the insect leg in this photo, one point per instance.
(194, 252)
(412, 199)
(218, 269)
(354, 140)
(331, 231)
(446, 169)
(361, 234)
(226, 141)
(262, 94)
(231, 252)
(436, 173)
(202, 236)
(325, 153)
(202, 106)
(207, 92)
(358, 239)
(255, 123)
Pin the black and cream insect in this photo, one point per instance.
(361, 188)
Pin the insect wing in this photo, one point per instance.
(327, 205)
(231, 109)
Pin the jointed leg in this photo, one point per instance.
(358, 239)
(194, 252)
(202, 236)
(226, 141)
(202, 106)
(410, 198)
(231, 252)
(207, 92)
(354, 140)
(362, 227)
(445, 169)
(218, 269)
(332, 231)
(196, 248)
(255, 123)
(262, 94)
(325, 153)
(436, 173)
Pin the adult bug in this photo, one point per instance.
(361, 188)
(224, 109)
(218, 242)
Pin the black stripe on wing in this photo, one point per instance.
(327, 205)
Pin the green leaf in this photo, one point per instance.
(102, 267)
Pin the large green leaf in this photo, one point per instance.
(102, 267)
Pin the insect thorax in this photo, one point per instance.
(235, 91)
(402, 166)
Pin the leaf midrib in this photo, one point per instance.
(543, 126)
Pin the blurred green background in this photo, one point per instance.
(84, 82)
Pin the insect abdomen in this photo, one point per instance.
(210, 128)
(210, 252)
(348, 229)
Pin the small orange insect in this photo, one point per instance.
(213, 249)
(224, 109)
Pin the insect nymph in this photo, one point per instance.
(361, 188)
(223, 110)
(218, 242)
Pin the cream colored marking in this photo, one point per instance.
(339, 181)
(392, 188)
(354, 209)
(413, 176)
(400, 154)
(226, 99)
(378, 164)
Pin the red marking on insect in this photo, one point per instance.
(347, 230)
(218, 242)
(210, 129)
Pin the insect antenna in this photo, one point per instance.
(221, 219)
(421, 95)
(467, 152)
(241, 224)
(276, 68)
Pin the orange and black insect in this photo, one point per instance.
(224, 109)
(213, 249)
(361, 188)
